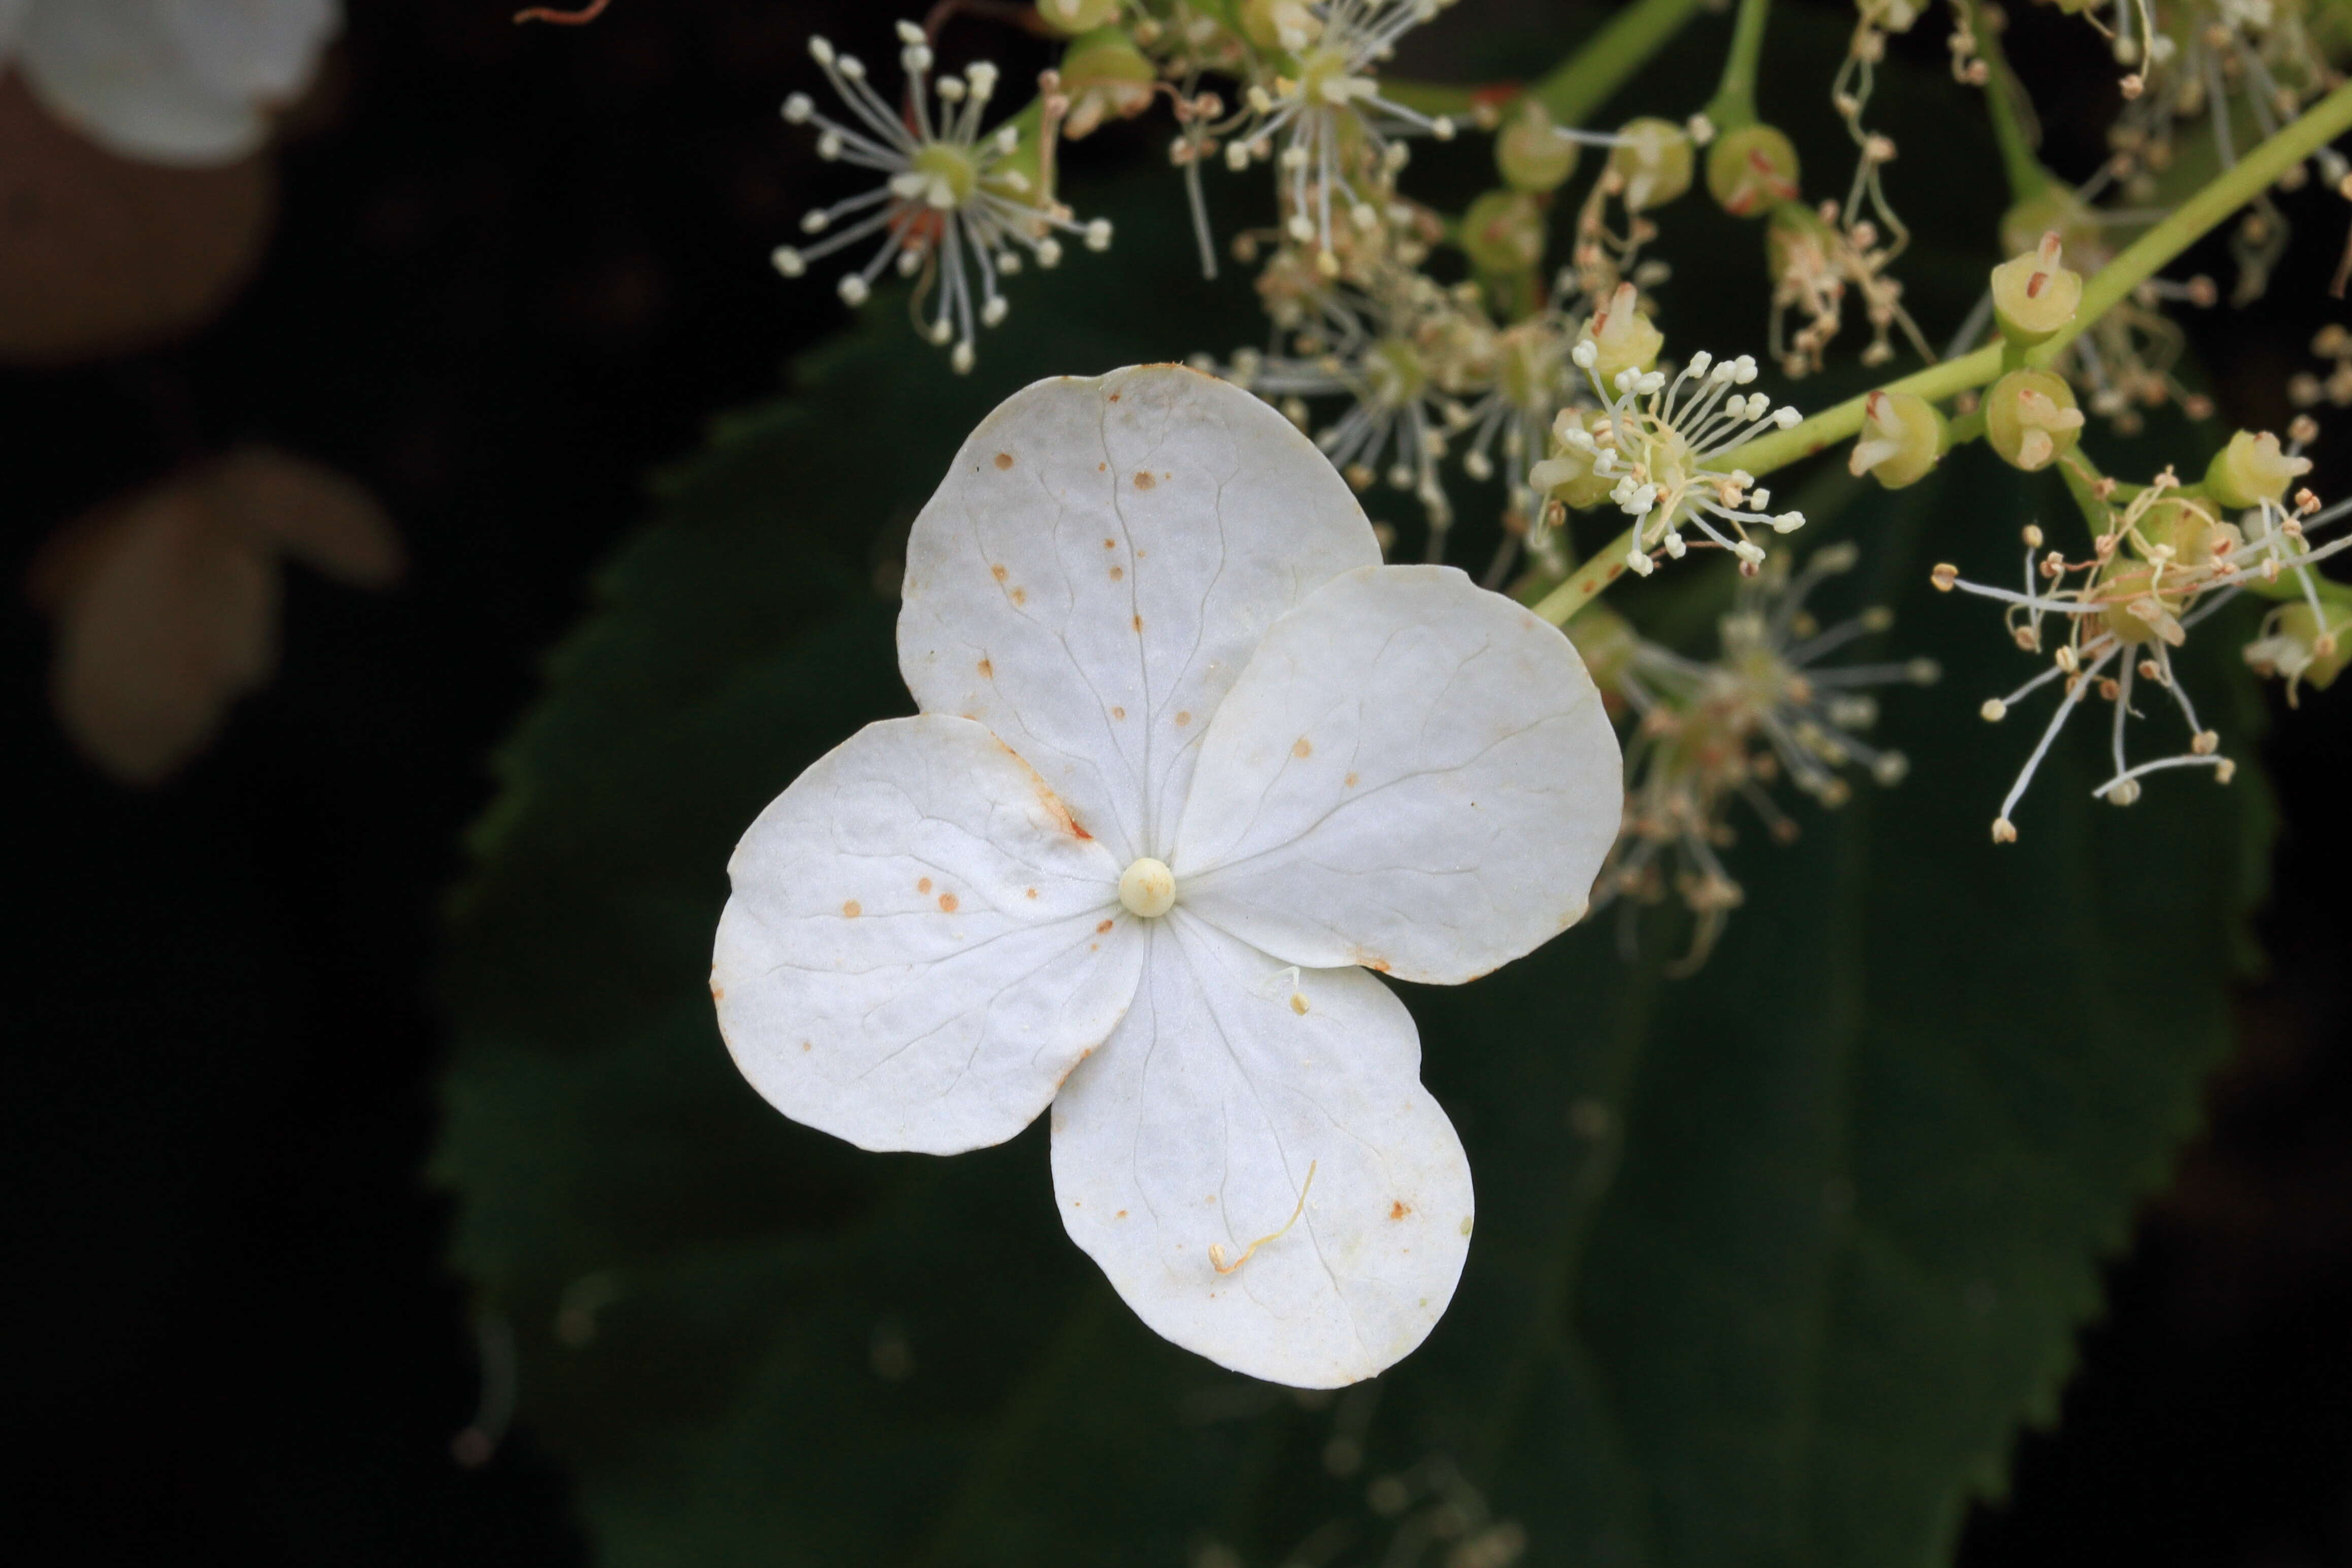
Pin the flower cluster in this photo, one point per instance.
(1708, 736)
(2162, 560)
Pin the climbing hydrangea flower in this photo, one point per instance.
(954, 205)
(1189, 762)
(168, 81)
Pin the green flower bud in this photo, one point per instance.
(2297, 644)
(1529, 151)
(1622, 337)
(1071, 17)
(1105, 76)
(2031, 418)
(2033, 295)
(1902, 438)
(1567, 475)
(1503, 232)
(1280, 24)
(2186, 532)
(2253, 469)
(1793, 234)
(1654, 158)
(1750, 170)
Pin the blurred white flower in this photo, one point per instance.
(1189, 761)
(168, 81)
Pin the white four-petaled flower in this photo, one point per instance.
(1189, 761)
(169, 81)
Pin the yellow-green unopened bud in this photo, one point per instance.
(2033, 295)
(1105, 76)
(2253, 469)
(1567, 475)
(1280, 24)
(2185, 532)
(1654, 158)
(1529, 151)
(1902, 437)
(1750, 170)
(1622, 337)
(2295, 644)
(1503, 232)
(2031, 418)
(1074, 17)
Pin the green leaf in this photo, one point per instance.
(1770, 1263)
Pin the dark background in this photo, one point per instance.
(516, 269)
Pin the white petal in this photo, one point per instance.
(1197, 1125)
(920, 945)
(1096, 567)
(114, 71)
(1412, 774)
(254, 50)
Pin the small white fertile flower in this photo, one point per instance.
(1189, 762)
(1658, 441)
(168, 81)
(1325, 111)
(958, 207)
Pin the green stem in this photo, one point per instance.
(2003, 91)
(1576, 87)
(2325, 121)
(1733, 107)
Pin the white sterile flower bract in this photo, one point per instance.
(1189, 762)
(168, 81)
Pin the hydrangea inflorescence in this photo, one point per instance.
(1190, 762)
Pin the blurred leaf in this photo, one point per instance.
(1770, 1263)
(166, 604)
(101, 255)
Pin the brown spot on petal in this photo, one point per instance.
(1110, 544)
(1183, 717)
(852, 909)
(947, 903)
(1102, 927)
(1138, 624)
(997, 573)
(1302, 748)
(1117, 573)
(924, 886)
(1351, 781)
(1118, 713)
(1031, 893)
(1004, 459)
(987, 670)
(1019, 595)
(808, 1045)
(1114, 397)
(1144, 481)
